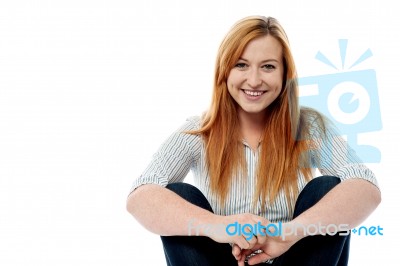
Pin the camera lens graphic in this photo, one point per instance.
(347, 97)
(348, 102)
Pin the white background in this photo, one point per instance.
(89, 90)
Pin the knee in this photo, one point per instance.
(314, 191)
(190, 193)
(184, 190)
(322, 185)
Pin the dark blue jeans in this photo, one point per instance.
(310, 251)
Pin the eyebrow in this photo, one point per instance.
(262, 62)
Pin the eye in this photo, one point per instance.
(268, 67)
(241, 65)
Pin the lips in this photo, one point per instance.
(253, 93)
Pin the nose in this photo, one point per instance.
(254, 78)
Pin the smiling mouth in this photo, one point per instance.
(253, 93)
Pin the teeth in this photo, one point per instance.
(253, 93)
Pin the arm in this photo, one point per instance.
(163, 212)
(357, 195)
(155, 207)
(346, 205)
(350, 202)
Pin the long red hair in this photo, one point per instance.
(283, 153)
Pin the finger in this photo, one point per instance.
(236, 251)
(258, 258)
(261, 239)
(246, 252)
(252, 242)
(242, 243)
(244, 255)
(250, 237)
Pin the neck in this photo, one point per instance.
(253, 122)
(252, 127)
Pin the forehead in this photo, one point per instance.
(263, 48)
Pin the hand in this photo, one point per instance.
(239, 235)
(271, 246)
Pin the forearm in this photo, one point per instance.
(163, 212)
(349, 203)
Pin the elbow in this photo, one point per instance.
(376, 197)
(372, 196)
(136, 199)
(130, 203)
(369, 195)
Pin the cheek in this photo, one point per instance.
(231, 85)
(276, 83)
(279, 86)
(234, 79)
(233, 92)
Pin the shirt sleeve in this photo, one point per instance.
(333, 156)
(173, 160)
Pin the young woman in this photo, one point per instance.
(253, 155)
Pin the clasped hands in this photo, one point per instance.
(251, 234)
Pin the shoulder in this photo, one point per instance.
(311, 115)
(193, 123)
(187, 130)
(315, 123)
(182, 142)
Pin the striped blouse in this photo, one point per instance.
(182, 153)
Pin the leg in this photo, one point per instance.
(195, 250)
(316, 250)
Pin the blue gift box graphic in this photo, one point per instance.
(349, 99)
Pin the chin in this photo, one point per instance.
(254, 111)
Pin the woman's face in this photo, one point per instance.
(256, 79)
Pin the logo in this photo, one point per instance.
(279, 230)
(348, 98)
